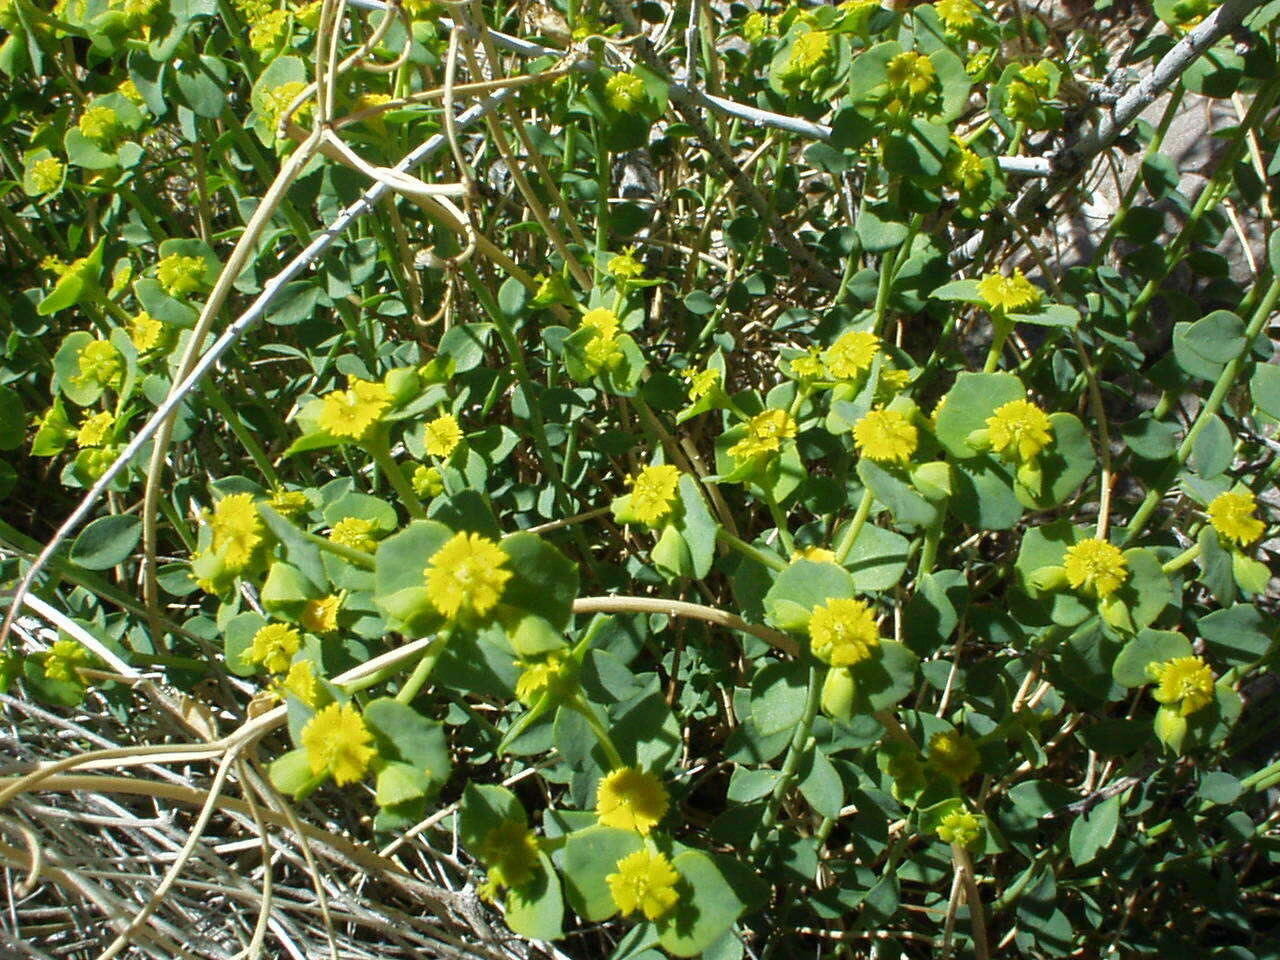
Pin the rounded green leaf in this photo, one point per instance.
(106, 542)
(801, 587)
(708, 906)
(1149, 646)
(590, 855)
(968, 405)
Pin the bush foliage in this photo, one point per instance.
(682, 462)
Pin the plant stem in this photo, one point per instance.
(422, 672)
(859, 519)
(770, 560)
(377, 447)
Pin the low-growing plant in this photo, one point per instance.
(798, 553)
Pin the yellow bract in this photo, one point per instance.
(765, 433)
(321, 616)
(814, 554)
(180, 275)
(100, 126)
(954, 754)
(961, 828)
(1183, 682)
(624, 91)
(356, 533)
(653, 493)
(351, 413)
(237, 530)
(273, 646)
(442, 435)
(1231, 514)
(553, 673)
(46, 174)
(911, 74)
(100, 364)
(1019, 430)
(701, 382)
(1007, 294)
(644, 881)
(301, 682)
(886, 436)
(427, 481)
(843, 632)
(96, 430)
(956, 14)
(809, 52)
(338, 743)
(851, 354)
(62, 660)
(145, 331)
(467, 575)
(510, 851)
(1095, 566)
(631, 799)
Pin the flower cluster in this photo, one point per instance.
(653, 493)
(466, 576)
(1009, 294)
(180, 275)
(352, 413)
(886, 436)
(338, 743)
(631, 799)
(765, 433)
(843, 632)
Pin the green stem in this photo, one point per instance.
(422, 672)
(859, 519)
(243, 434)
(602, 735)
(770, 560)
(377, 447)
(361, 559)
(801, 744)
(1182, 559)
(1002, 329)
(780, 521)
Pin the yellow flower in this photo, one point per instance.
(180, 275)
(893, 380)
(237, 531)
(467, 575)
(427, 481)
(443, 435)
(268, 32)
(961, 828)
(63, 659)
(954, 754)
(422, 9)
(1019, 430)
(625, 266)
(145, 331)
(645, 881)
(273, 646)
(129, 90)
(301, 682)
(338, 743)
(321, 616)
(1095, 566)
(99, 363)
(808, 366)
(1008, 294)
(965, 171)
(46, 174)
(911, 74)
(757, 26)
(510, 851)
(624, 92)
(276, 101)
(603, 322)
(553, 673)
(765, 433)
(631, 799)
(1231, 514)
(100, 126)
(1184, 682)
(814, 555)
(653, 493)
(956, 14)
(603, 353)
(288, 503)
(809, 53)
(96, 430)
(356, 533)
(885, 436)
(843, 632)
(351, 413)
(851, 354)
(701, 382)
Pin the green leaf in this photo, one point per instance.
(778, 693)
(291, 774)
(892, 487)
(405, 736)
(1213, 449)
(1094, 831)
(882, 681)
(1064, 465)
(881, 227)
(544, 581)
(708, 906)
(590, 855)
(237, 638)
(697, 527)
(399, 576)
(1264, 386)
(969, 404)
(801, 587)
(820, 784)
(1149, 646)
(1237, 636)
(106, 542)
(483, 808)
(985, 495)
(877, 559)
(536, 909)
(13, 419)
